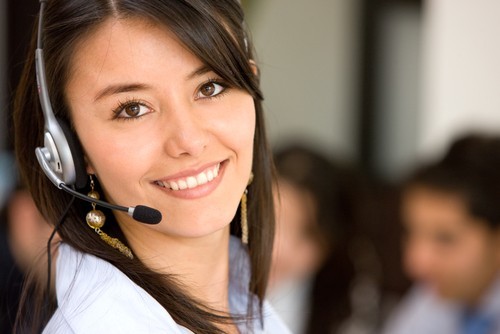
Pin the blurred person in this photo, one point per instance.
(23, 237)
(10, 274)
(11, 280)
(28, 232)
(312, 271)
(451, 213)
(7, 176)
(23, 240)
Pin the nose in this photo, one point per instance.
(186, 134)
(420, 260)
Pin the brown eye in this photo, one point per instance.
(210, 89)
(132, 110)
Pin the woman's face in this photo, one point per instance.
(451, 251)
(159, 128)
(297, 251)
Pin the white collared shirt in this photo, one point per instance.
(95, 297)
(424, 312)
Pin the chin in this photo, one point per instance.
(196, 227)
(449, 295)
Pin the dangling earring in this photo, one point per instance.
(243, 213)
(96, 219)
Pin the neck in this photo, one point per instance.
(201, 264)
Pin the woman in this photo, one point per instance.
(312, 272)
(452, 217)
(163, 97)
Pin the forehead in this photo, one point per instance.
(128, 48)
(432, 208)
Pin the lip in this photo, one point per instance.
(198, 191)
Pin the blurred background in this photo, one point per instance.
(377, 86)
(381, 83)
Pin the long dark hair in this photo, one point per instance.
(213, 30)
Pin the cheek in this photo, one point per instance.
(464, 266)
(424, 260)
(115, 151)
(115, 156)
(467, 256)
(310, 256)
(237, 128)
(496, 253)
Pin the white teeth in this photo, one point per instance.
(201, 178)
(174, 185)
(182, 185)
(192, 181)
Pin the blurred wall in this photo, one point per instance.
(461, 84)
(396, 87)
(308, 54)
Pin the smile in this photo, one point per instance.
(191, 182)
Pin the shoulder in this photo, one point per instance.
(272, 322)
(490, 305)
(491, 300)
(423, 312)
(93, 296)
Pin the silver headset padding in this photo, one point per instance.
(55, 157)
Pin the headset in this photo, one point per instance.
(61, 157)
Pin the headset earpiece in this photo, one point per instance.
(76, 154)
(61, 156)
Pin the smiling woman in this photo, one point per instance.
(163, 98)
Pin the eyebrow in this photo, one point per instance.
(119, 88)
(199, 71)
(130, 87)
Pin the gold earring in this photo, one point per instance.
(96, 219)
(243, 213)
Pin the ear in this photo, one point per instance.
(255, 68)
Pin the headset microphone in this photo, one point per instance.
(141, 213)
